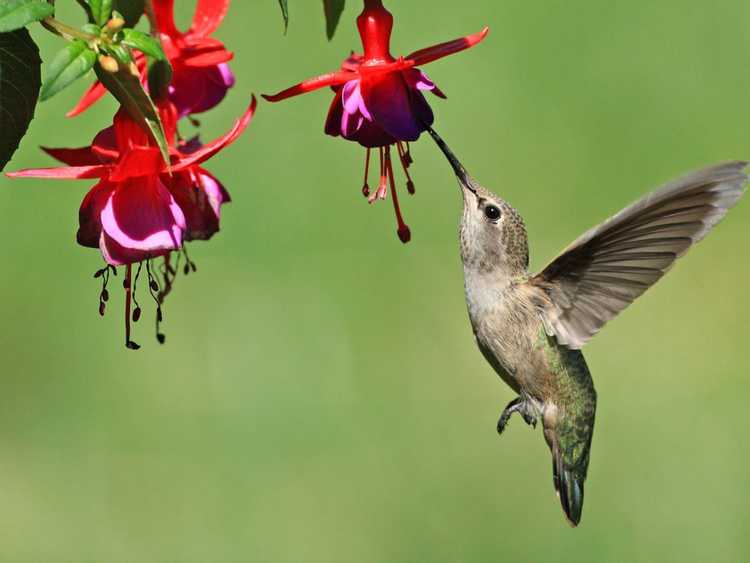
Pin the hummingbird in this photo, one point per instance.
(531, 328)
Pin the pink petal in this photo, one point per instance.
(141, 215)
(418, 80)
(216, 192)
(118, 255)
(353, 102)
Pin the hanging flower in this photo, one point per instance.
(379, 100)
(140, 209)
(201, 75)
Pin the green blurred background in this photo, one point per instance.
(320, 397)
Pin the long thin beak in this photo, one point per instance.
(463, 176)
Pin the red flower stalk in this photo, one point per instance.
(201, 75)
(141, 209)
(378, 99)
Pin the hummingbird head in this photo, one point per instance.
(493, 234)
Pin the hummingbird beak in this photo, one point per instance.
(464, 179)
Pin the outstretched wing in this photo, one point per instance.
(603, 271)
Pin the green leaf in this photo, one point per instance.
(127, 88)
(284, 13)
(159, 77)
(14, 14)
(131, 10)
(20, 79)
(101, 10)
(75, 60)
(146, 44)
(332, 9)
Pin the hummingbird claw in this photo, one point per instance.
(529, 419)
(521, 407)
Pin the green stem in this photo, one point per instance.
(65, 30)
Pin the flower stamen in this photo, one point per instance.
(137, 311)
(104, 294)
(128, 298)
(189, 264)
(382, 190)
(407, 154)
(405, 165)
(168, 274)
(404, 233)
(154, 290)
(365, 185)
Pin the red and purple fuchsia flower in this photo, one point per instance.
(201, 75)
(378, 100)
(141, 209)
(144, 209)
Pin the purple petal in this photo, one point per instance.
(198, 89)
(389, 100)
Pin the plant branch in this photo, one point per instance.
(66, 31)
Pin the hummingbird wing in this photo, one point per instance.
(609, 266)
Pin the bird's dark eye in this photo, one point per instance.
(492, 213)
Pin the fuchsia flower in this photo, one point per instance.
(378, 99)
(201, 75)
(141, 209)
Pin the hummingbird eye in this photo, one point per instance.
(492, 212)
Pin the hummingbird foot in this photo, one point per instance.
(520, 406)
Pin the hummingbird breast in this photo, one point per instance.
(506, 326)
(511, 336)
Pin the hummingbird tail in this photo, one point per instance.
(569, 486)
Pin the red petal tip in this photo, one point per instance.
(430, 54)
